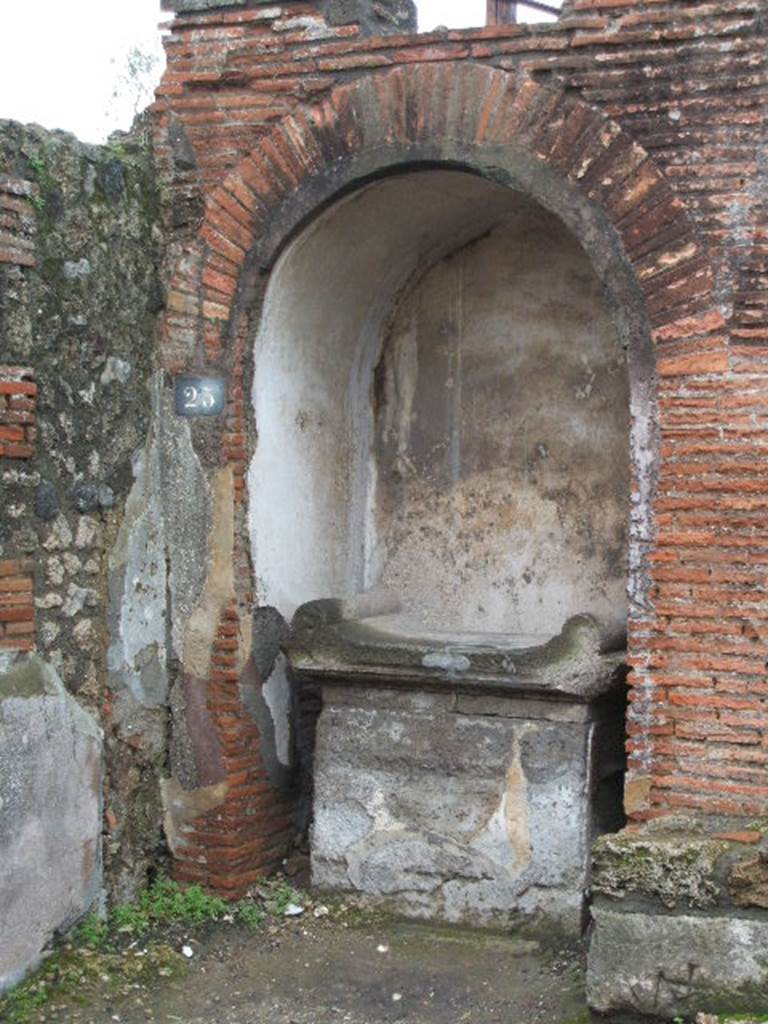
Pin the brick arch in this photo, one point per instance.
(467, 115)
(550, 144)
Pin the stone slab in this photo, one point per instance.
(50, 814)
(667, 966)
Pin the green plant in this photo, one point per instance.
(116, 148)
(92, 932)
(38, 166)
(129, 918)
(249, 914)
(19, 1005)
(165, 902)
(279, 896)
(40, 172)
(74, 973)
(93, 953)
(136, 80)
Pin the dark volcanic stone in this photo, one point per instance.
(46, 501)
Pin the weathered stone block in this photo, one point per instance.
(455, 816)
(748, 883)
(675, 870)
(664, 965)
(50, 813)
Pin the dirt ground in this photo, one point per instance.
(336, 971)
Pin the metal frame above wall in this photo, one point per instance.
(504, 12)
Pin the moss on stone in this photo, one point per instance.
(675, 870)
(71, 976)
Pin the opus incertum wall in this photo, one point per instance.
(80, 809)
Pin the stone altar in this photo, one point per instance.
(461, 778)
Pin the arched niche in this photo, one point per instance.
(442, 405)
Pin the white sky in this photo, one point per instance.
(61, 61)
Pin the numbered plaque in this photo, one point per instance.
(199, 396)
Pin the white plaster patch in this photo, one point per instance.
(277, 696)
(315, 354)
(139, 554)
(451, 663)
(115, 371)
(349, 486)
(313, 28)
(74, 269)
(187, 506)
(219, 586)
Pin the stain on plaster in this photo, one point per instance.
(219, 588)
(182, 806)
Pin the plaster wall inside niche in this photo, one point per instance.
(442, 406)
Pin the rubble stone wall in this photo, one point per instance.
(79, 295)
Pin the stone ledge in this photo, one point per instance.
(328, 647)
(665, 966)
(679, 865)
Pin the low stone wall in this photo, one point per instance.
(680, 921)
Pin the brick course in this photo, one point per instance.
(17, 221)
(655, 112)
(17, 412)
(18, 434)
(17, 612)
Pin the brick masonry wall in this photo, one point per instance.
(256, 97)
(18, 431)
(230, 847)
(248, 834)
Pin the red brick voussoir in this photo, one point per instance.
(375, 117)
